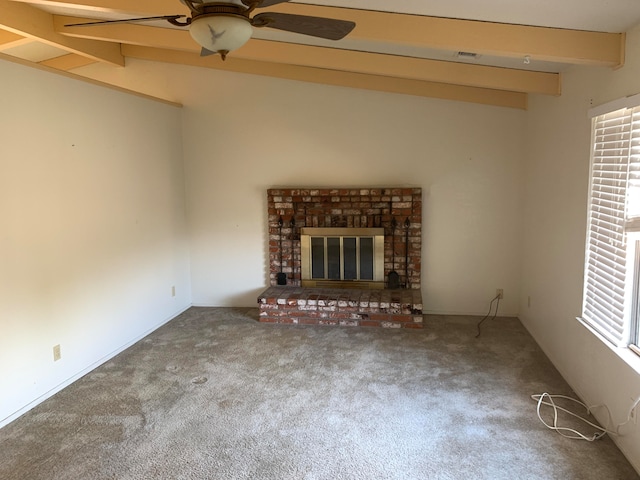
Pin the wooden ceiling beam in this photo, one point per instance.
(10, 39)
(402, 67)
(330, 58)
(67, 62)
(92, 81)
(405, 86)
(486, 38)
(130, 33)
(142, 7)
(30, 22)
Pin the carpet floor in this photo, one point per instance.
(214, 394)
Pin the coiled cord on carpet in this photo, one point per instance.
(548, 400)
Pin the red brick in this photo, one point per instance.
(369, 323)
(402, 318)
(308, 321)
(268, 320)
(412, 325)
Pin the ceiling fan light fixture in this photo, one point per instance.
(221, 33)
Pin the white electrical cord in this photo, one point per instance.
(566, 431)
(629, 416)
(570, 432)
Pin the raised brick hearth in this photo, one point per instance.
(401, 308)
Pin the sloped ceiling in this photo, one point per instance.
(493, 52)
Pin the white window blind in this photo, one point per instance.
(614, 180)
(633, 184)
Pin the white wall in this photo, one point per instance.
(244, 134)
(92, 201)
(92, 234)
(556, 172)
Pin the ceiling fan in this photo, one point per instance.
(220, 27)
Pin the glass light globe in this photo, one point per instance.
(221, 33)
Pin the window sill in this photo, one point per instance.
(629, 354)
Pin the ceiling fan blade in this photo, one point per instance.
(329, 28)
(130, 20)
(263, 3)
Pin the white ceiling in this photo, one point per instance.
(598, 15)
(614, 16)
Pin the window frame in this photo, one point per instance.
(621, 329)
(634, 319)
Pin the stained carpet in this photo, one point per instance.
(214, 394)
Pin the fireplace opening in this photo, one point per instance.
(342, 257)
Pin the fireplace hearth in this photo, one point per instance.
(327, 241)
(401, 308)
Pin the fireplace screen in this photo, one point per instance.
(342, 257)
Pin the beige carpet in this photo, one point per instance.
(216, 395)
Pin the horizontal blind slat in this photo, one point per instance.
(599, 310)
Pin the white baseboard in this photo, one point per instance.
(467, 314)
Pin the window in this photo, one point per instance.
(612, 268)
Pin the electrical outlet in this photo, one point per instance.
(499, 293)
(57, 355)
(173, 291)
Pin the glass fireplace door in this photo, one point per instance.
(342, 254)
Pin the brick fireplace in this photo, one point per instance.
(394, 212)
